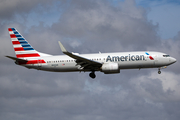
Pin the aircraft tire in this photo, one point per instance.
(92, 75)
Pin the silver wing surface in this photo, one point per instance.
(82, 62)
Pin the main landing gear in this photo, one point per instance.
(159, 71)
(92, 75)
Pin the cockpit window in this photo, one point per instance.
(166, 55)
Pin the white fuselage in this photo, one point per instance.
(125, 60)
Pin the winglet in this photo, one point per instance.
(62, 47)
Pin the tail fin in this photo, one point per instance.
(21, 46)
(25, 53)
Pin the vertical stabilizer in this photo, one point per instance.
(21, 46)
(23, 49)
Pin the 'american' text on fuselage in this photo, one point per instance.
(125, 58)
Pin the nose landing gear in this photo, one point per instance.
(159, 70)
(92, 75)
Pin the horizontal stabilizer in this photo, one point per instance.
(17, 59)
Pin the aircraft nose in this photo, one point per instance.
(173, 60)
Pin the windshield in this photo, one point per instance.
(166, 55)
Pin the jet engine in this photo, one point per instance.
(110, 68)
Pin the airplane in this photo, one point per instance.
(108, 63)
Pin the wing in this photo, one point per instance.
(84, 63)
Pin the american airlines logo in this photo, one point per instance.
(125, 58)
(150, 57)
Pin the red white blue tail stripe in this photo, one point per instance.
(23, 49)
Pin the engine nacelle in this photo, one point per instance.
(109, 68)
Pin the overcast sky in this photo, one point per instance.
(90, 26)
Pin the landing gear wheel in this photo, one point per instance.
(159, 72)
(92, 75)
